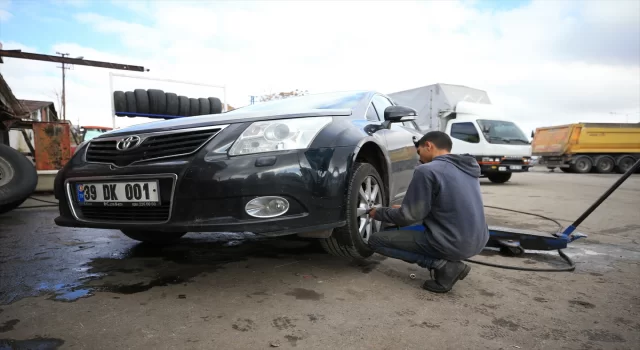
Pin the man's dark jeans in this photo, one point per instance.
(405, 243)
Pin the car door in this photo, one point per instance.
(401, 149)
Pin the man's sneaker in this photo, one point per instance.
(446, 276)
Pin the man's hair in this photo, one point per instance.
(438, 138)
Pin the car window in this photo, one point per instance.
(465, 132)
(381, 103)
(372, 115)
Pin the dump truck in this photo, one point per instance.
(475, 126)
(588, 147)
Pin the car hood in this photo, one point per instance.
(223, 118)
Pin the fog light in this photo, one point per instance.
(267, 207)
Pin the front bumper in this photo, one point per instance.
(504, 168)
(209, 194)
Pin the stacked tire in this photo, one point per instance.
(140, 102)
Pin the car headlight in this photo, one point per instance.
(278, 135)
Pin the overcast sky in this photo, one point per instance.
(545, 62)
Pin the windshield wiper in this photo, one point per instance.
(499, 139)
(521, 140)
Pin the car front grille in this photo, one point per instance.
(126, 214)
(152, 146)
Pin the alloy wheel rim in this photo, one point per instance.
(368, 196)
(6, 172)
(582, 165)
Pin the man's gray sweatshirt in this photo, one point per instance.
(444, 195)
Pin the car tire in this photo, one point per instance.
(183, 106)
(194, 107)
(131, 102)
(119, 101)
(173, 105)
(604, 164)
(142, 101)
(157, 102)
(205, 108)
(347, 241)
(18, 178)
(216, 105)
(582, 165)
(153, 237)
(499, 178)
(624, 163)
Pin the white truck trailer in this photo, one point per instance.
(475, 125)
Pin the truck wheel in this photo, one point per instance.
(365, 190)
(582, 165)
(153, 237)
(499, 178)
(18, 178)
(604, 164)
(624, 164)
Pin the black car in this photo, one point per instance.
(306, 165)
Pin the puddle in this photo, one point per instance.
(35, 344)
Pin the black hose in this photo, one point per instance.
(42, 200)
(571, 267)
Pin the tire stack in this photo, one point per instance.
(157, 102)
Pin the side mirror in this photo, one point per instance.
(395, 114)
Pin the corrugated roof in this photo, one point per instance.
(32, 106)
(13, 107)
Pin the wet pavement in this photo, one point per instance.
(97, 289)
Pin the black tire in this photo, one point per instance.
(346, 241)
(18, 177)
(566, 170)
(604, 164)
(157, 102)
(173, 105)
(582, 165)
(119, 101)
(131, 102)
(194, 107)
(216, 105)
(204, 106)
(624, 163)
(499, 178)
(183, 106)
(5, 208)
(142, 101)
(153, 237)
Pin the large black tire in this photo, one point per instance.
(604, 164)
(624, 163)
(142, 101)
(582, 165)
(173, 105)
(157, 101)
(204, 106)
(119, 101)
(183, 106)
(499, 178)
(347, 241)
(216, 105)
(154, 237)
(131, 102)
(18, 178)
(194, 107)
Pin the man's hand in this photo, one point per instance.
(397, 206)
(372, 211)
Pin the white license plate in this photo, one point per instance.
(516, 167)
(130, 193)
(502, 168)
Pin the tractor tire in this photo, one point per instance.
(624, 163)
(604, 164)
(173, 105)
(157, 102)
(131, 103)
(18, 178)
(499, 178)
(582, 165)
(142, 101)
(204, 106)
(119, 101)
(153, 237)
(183, 106)
(348, 241)
(194, 107)
(216, 105)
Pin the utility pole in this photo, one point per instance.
(63, 111)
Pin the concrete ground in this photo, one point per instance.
(96, 289)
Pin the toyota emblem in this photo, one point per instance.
(128, 143)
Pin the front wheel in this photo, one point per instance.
(153, 237)
(365, 190)
(499, 178)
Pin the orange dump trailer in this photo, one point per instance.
(587, 147)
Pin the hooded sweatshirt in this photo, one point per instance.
(444, 195)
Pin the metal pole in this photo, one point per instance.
(224, 97)
(167, 80)
(113, 106)
(64, 97)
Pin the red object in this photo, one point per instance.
(52, 143)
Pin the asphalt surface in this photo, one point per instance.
(63, 288)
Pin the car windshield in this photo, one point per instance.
(501, 131)
(336, 100)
